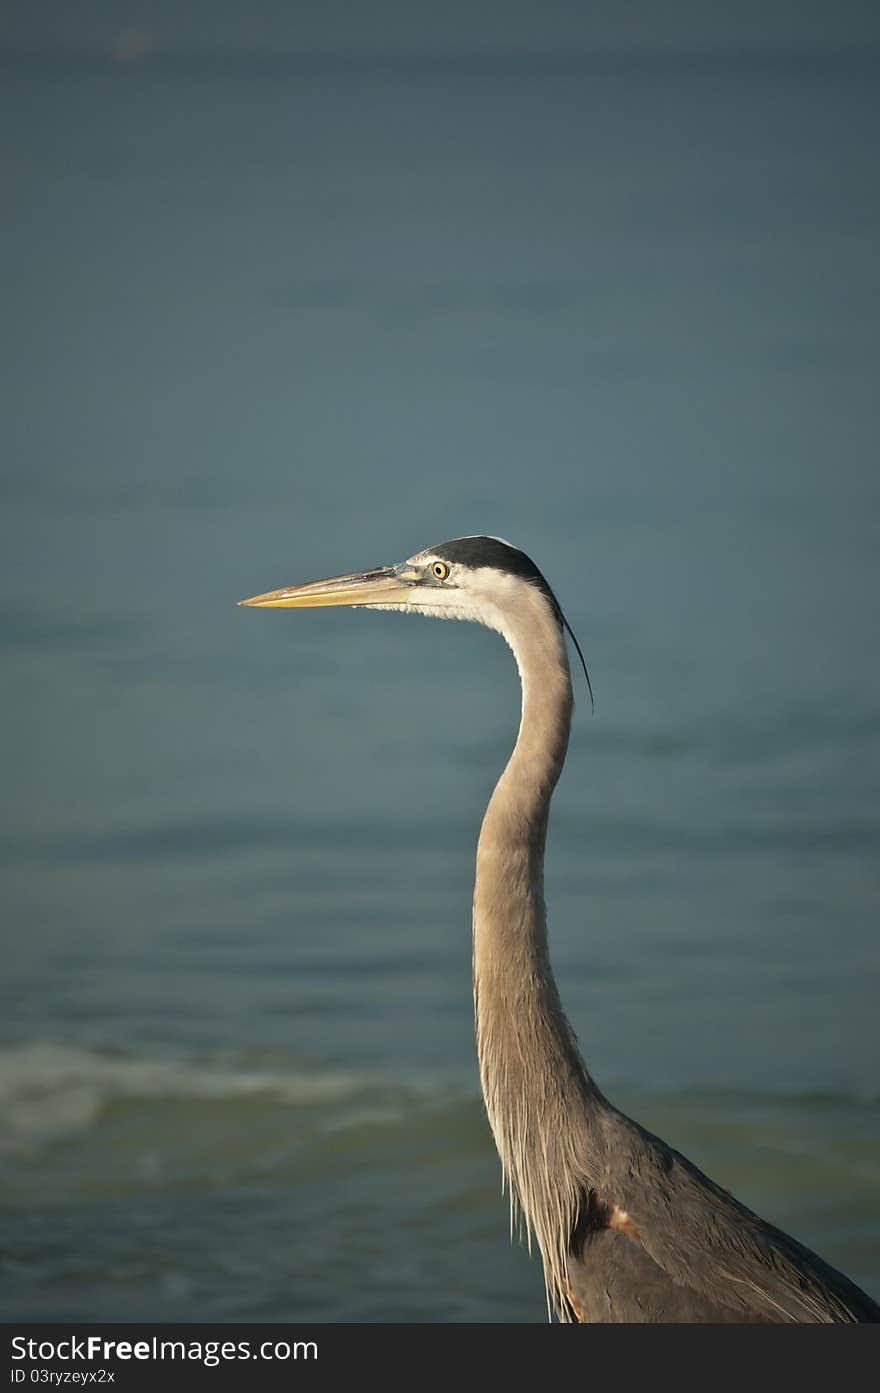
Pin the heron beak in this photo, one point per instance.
(385, 586)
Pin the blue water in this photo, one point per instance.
(270, 319)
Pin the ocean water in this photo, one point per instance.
(269, 319)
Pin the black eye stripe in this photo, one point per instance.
(488, 551)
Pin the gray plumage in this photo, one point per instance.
(628, 1229)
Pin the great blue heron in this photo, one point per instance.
(628, 1229)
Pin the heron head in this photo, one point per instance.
(483, 579)
(475, 578)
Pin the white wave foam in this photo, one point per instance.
(48, 1091)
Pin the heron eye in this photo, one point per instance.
(440, 570)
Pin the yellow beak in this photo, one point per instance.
(384, 586)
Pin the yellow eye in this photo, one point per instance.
(440, 570)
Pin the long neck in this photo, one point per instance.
(539, 1097)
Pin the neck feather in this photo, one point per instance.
(539, 1097)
